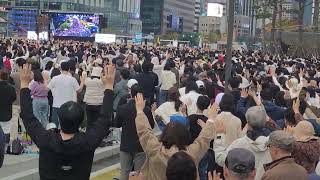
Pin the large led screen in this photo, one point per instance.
(215, 10)
(76, 25)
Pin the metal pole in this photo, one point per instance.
(229, 43)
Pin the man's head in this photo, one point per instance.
(203, 103)
(256, 117)
(280, 144)
(65, 66)
(181, 167)
(124, 74)
(71, 115)
(239, 165)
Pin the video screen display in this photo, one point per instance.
(77, 25)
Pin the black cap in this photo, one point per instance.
(240, 161)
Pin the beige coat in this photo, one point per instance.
(157, 155)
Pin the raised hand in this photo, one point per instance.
(108, 77)
(296, 106)
(26, 76)
(140, 103)
(214, 176)
(201, 123)
(213, 112)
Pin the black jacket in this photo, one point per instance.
(125, 118)
(148, 83)
(7, 97)
(70, 159)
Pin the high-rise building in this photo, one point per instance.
(120, 16)
(309, 13)
(175, 16)
(197, 12)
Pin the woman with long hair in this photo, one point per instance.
(39, 94)
(172, 107)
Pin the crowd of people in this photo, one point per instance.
(261, 123)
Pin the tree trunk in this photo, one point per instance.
(300, 50)
(316, 15)
(263, 31)
(280, 19)
(229, 43)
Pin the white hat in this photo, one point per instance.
(199, 83)
(51, 126)
(96, 71)
(132, 82)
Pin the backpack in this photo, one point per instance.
(16, 147)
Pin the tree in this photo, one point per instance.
(262, 13)
(214, 36)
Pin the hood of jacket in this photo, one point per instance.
(259, 144)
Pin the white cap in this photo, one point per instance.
(200, 83)
(132, 82)
(51, 126)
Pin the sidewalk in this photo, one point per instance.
(25, 167)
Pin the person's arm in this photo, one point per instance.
(2, 146)
(99, 130)
(276, 82)
(148, 140)
(201, 144)
(148, 113)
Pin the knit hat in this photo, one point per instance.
(304, 131)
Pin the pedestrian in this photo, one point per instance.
(132, 155)
(39, 94)
(64, 88)
(93, 96)
(7, 96)
(283, 166)
(68, 153)
(174, 138)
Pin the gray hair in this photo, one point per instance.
(256, 117)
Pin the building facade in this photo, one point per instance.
(120, 16)
(197, 13)
(163, 16)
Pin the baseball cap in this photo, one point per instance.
(240, 160)
(200, 83)
(132, 82)
(281, 139)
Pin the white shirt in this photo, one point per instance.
(168, 80)
(64, 88)
(166, 110)
(192, 96)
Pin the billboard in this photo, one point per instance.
(75, 25)
(105, 38)
(215, 10)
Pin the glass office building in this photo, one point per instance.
(120, 16)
